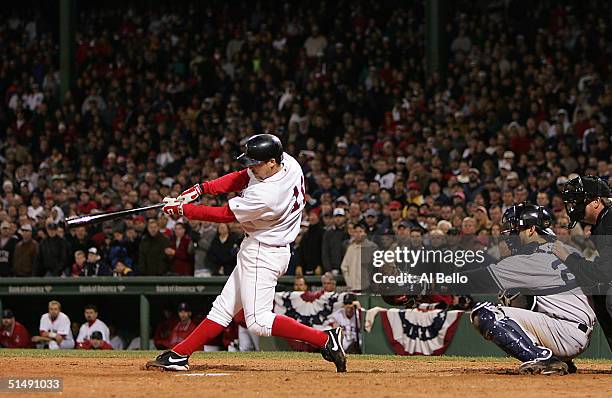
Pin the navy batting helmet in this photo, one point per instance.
(261, 148)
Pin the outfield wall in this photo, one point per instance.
(137, 302)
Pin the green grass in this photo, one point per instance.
(276, 355)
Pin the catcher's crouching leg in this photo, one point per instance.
(507, 334)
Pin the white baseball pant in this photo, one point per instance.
(65, 344)
(563, 337)
(251, 286)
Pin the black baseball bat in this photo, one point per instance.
(79, 221)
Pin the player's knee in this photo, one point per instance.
(260, 324)
(219, 313)
(484, 317)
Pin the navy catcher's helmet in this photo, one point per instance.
(261, 148)
(525, 215)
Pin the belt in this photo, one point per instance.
(584, 328)
(265, 244)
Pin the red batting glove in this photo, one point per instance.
(191, 194)
(172, 206)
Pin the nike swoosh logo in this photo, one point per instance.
(335, 344)
(175, 360)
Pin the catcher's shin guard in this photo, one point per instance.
(506, 333)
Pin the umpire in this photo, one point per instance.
(587, 200)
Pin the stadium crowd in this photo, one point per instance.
(164, 99)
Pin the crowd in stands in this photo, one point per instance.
(165, 97)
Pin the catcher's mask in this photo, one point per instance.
(579, 192)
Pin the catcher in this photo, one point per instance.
(548, 328)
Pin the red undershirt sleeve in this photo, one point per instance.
(232, 182)
(222, 214)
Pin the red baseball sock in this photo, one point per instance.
(284, 326)
(205, 332)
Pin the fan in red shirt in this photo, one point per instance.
(95, 342)
(13, 334)
(183, 328)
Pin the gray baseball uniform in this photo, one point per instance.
(562, 318)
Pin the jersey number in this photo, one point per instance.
(296, 193)
(566, 276)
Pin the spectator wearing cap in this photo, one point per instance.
(507, 161)
(414, 193)
(92, 324)
(359, 256)
(86, 204)
(373, 227)
(95, 265)
(121, 268)
(334, 237)
(221, 258)
(348, 319)
(7, 249)
(182, 259)
(182, 329)
(53, 253)
(395, 209)
(95, 342)
(13, 334)
(153, 258)
(26, 251)
(311, 246)
(482, 218)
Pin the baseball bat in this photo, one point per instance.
(79, 221)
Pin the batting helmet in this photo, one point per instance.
(578, 192)
(261, 148)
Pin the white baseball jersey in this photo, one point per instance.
(61, 325)
(270, 210)
(97, 326)
(348, 325)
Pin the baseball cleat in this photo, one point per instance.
(169, 360)
(571, 367)
(549, 367)
(333, 351)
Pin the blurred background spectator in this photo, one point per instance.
(348, 319)
(154, 251)
(26, 251)
(92, 324)
(221, 255)
(55, 329)
(182, 260)
(13, 334)
(95, 342)
(181, 329)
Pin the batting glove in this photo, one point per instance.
(191, 194)
(172, 206)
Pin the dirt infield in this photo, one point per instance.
(295, 375)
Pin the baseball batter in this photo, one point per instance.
(555, 322)
(269, 210)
